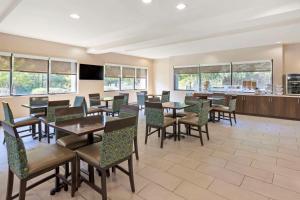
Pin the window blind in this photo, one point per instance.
(63, 67)
(5, 62)
(186, 70)
(141, 73)
(215, 69)
(30, 65)
(128, 72)
(112, 71)
(264, 66)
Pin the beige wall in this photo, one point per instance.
(164, 66)
(292, 58)
(15, 44)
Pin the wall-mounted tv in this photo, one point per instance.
(90, 72)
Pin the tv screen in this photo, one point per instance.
(91, 72)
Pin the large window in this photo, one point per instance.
(63, 76)
(259, 73)
(141, 79)
(112, 78)
(221, 77)
(218, 76)
(29, 76)
(186, 78)
(5, 63)
(128, 75)
(124, 78)
(35, 75)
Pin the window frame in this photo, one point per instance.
(121, 76)
(12, 59)
(216, 64)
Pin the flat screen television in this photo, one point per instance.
(90, 72)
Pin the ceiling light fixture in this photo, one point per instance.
(147, 1)
(181, 6)
(74, 16)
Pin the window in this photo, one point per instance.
(258, 72)
(63, 76)
(128, 75)
(141, 79)
(5, 63)
(218, 76)
(29, 75)
(112, 78)
(186, 78)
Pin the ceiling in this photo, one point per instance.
(156, 30)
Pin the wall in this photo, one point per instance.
(164, 67)
(291, 58)
(16, 44)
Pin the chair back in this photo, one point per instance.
(144, 92)
(141, 98)
(8, 115)
(130, 111)
(126, 97)
(16, 152)
(94, 99)
(194, 101)
(154, 114)
(117, 103)
(154, 99)
(232, 104)
(80, 102)
(53, 105)
(117, 141)
(203, 114)
(221, 101)
(165, 96)
(38, 101)
(64, 114)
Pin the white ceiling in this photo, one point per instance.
(157, 30)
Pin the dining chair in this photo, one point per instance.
(129, 111)
(50, 117)
(141, 98)
(165, 96)
(38, 101)
(155, 119)
(118, 101)
(115, 148)
(27, 165)
(95, 100)
(196, 121)
(126, 97)
(22, 122)
(81, 102)
(230, 110)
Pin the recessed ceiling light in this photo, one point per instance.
(74, 16)
(181, 6)
(147, 1)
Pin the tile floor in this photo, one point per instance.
(257, 159)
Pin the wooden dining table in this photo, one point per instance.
(174, 106)
(107, 100)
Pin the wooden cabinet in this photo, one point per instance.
(269, 106)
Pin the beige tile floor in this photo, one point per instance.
(257, 159)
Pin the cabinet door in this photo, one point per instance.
(263, 106)
(279, 106)
(250, 105)
(298, 109)
(240, 104)
(291, 108)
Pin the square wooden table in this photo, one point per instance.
(174, 106)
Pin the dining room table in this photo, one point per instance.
(45, 106)
(174, 106)
(107, 100)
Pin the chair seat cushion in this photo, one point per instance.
(47, 157)
(90, 153)
(74, 141)
(221, 108)
(190, 120)
(108, 110)
(94, 110)
(26, 121)
(169, 121)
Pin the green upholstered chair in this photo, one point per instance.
(132, 111)
(229, 110)
(50, 117)
(141, 99)
(118, 101)
(165, 97)
(116, 147)
(38, 101)
(22, 122)
(95, 100)
(155, 119)
(81, 102)
(27, 165)
(126, 97)
(196, 121)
